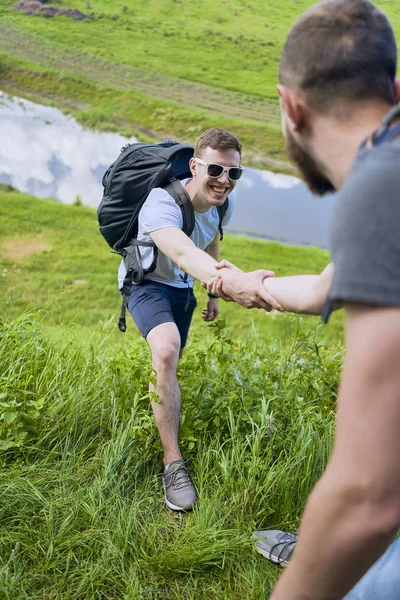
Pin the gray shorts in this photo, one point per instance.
(152, 303)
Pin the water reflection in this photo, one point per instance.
(48, 154)
(281, 207)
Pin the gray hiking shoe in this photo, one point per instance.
(275, 545)
(178, 487)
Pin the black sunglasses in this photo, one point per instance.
(214, 170)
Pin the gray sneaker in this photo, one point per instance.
(178, 487)
(275, 545)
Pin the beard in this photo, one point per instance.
(311, 174)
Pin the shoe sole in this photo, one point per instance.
(174, 507)
(271, 557)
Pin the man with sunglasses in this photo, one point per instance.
(163, 304)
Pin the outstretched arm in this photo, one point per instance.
(200, 265)
(353, 511)
(181, 250)
(304, 294)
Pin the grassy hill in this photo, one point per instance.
(81, 508)
(157, 69)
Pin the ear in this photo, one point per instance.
(293, 105)
(193, 166)
(396, 90)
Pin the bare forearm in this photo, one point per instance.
(182, 251)
(295, 293)
(354, 510)
(198, 264)
(341, 537)
(304, 294)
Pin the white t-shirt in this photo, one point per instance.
(159, 211)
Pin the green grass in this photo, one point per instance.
(160, 69)
(81, 506)
(230, 45)
(80, 501)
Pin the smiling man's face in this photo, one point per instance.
(212, 190)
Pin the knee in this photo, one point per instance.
(166, 355)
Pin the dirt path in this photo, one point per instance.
(18, 42)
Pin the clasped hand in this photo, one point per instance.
(247, 289)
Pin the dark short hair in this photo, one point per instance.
(340, 50)
(217, 139)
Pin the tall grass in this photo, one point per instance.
(81, 507)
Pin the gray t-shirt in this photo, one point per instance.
(365, 231)
(159, 211)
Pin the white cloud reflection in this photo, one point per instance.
(49, 154)
(279, 181)
(246, 182)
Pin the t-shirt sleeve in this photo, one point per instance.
(160, 210)
(231, 204)
(365, 234)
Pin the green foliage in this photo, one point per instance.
(81, 506)
(280, 378)
(21, 395)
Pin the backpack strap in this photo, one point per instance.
(221, 213)
(181, 197)
(134, 273)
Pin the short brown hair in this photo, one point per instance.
(340, 50)
(217, 139)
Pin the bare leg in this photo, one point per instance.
(165, 341)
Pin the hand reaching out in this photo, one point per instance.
(211, 312)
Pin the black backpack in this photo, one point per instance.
(127, 184)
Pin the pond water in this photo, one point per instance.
(48, 154)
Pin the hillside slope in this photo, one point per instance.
(159, 69)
